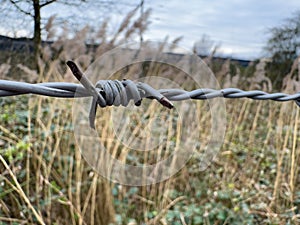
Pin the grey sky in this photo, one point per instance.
(240, 26)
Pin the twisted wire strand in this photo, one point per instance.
(206, 93)
(115, 92)
(71, 90)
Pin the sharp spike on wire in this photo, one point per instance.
(113, 91)
(117, 93)
(298, 102)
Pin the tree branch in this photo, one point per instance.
(15, 3)
(47, 3)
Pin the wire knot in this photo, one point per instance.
(115, 92)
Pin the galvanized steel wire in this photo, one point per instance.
(114, 92)
(71, 90)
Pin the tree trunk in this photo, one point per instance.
(37, 33)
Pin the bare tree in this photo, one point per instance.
(32, 9)
(283, 47)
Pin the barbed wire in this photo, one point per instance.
(115, 92)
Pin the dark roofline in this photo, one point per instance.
(24, 43)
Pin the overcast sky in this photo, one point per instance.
(239, 25)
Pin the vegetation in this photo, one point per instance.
(33, 8)
(44, 179)
(283, 48)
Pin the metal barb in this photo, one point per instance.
(107, 92)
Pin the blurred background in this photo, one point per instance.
(249, 45)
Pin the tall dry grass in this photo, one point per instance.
(45, 180)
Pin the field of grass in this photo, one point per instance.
(254, 179)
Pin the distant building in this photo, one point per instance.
(15, 44)
(26, 45)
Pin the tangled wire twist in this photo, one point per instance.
(115, 92)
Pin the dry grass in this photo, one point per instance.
(44, 178)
